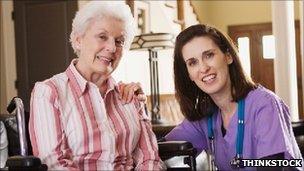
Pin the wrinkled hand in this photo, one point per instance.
(129, 91)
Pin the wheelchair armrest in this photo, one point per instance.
(168, 149)
(172, 146)
(25, 163)
(298, 128)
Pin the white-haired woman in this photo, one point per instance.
(79, 118)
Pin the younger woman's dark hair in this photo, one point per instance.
(187, 91)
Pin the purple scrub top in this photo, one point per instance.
(268, 131)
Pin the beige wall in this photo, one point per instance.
(301, 15)
(8, 57)
(224, 13)
(81, 3)
(2, 66)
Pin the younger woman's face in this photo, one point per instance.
(207, 65)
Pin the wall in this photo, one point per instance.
(81, 3)
(224, 13)
(301, 16)
(8, 56)
(2, 67)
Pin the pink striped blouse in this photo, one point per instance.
(73, 128)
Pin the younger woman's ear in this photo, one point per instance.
(229, 58)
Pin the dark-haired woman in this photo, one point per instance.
(226, 113)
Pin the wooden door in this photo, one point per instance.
(42, 31)
(255, 34)
(262, 69)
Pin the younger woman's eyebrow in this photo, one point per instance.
(190, 59)
(208, 51)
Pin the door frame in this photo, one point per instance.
(246, 30)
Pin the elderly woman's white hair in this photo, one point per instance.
(99, 9)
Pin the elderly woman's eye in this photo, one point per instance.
(119, 43)
(103, 37)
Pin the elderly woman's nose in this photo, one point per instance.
(110, 45)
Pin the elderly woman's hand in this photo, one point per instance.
(131, 90)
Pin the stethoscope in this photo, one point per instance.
(236, 162)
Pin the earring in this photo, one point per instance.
(196, 102)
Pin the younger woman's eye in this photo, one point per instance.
(209, 55)
(192, 62)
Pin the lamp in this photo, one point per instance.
(153, 42)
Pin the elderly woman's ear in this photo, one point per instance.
(75, 42)
(78, 42)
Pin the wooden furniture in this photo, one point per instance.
(169, 109)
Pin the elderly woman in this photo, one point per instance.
(79, 118)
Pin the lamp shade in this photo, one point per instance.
(153, 41)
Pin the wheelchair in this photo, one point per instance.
(20, 151)
(19, 147)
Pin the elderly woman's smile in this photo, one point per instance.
(105, 60)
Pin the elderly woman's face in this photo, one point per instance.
(101, 46)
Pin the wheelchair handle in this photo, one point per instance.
(11, 106)
(16, 103)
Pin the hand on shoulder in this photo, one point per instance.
(129, 91)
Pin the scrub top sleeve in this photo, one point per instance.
(270, 128)
(191, 132)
